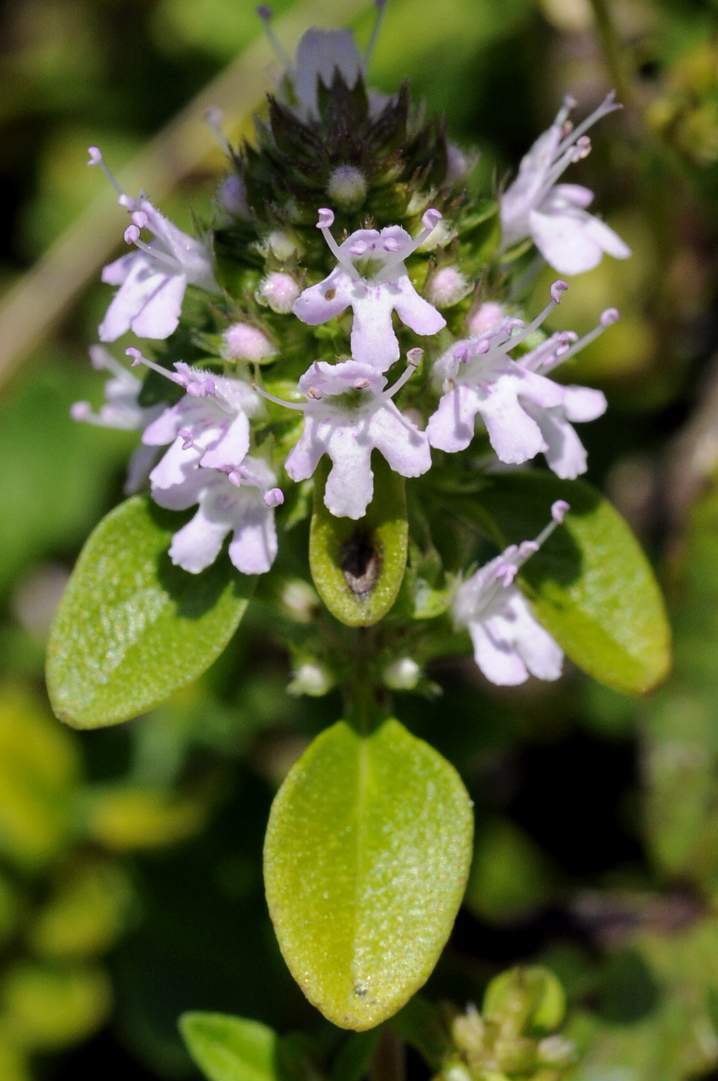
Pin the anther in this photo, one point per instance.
(274, 497)
(558, 288)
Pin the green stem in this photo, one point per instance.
(362, 696)
(389, 1062)
(612, 49)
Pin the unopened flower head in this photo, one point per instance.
(371, 278)
(278, 291)
(509, 642)
(243, 341)
(447, 286)
(525, 412)
(554, 215)
(153, 278)
(347, 187)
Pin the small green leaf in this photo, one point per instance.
(358, 567)
(591, 585)
(366, 859)
(230, 1048)
(131, 628)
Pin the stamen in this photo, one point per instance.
(265, 14)
(380, 6)
(557, 290)
(608, 105)
(567, 107)
(429, 220)
(274, 497)
(102, 359)
(413, 360)
(325, 220)
(298, 406)
(96, 158)
(132, 236)
(138, 358)
(189, 442)
(214, 118)
(608, 318)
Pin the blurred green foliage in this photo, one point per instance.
(130, 859)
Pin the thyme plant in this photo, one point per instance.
(339, 376)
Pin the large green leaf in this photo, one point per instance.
(366, 859)
(230, 1048)
(591, 585)
(358, 567)
(132, 628)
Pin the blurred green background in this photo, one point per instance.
(130, 881)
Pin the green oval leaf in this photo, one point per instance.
(366, 859)
(230, 1048)
(132, 628)
(591, 585)
(358, 567)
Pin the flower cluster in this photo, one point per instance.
(242, 407)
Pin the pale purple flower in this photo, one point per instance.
(239, 501)
(370, 277)
(554, 215)
(152, 279)
(121, 409)
(348, 413)
(525, 412)
(208, 426)
(509, 643)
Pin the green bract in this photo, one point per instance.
(358, 567)
(366, 859)
(591, 586)
(132, 628)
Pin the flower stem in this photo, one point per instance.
(389, 1062)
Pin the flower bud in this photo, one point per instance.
(402, 674)
(347, 187)
(525, 999)
(278, 290)
(468, 1031)
(447, 286)
(310, 678)
(556, 1051)
(282, 244)
(457, 163)
(299, 600)
(484, 317)
(232, 197)
(242, 341)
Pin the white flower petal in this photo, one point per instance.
(404, 446)
(253, 548)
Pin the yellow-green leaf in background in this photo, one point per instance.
(231, 1048)
(366, 858)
